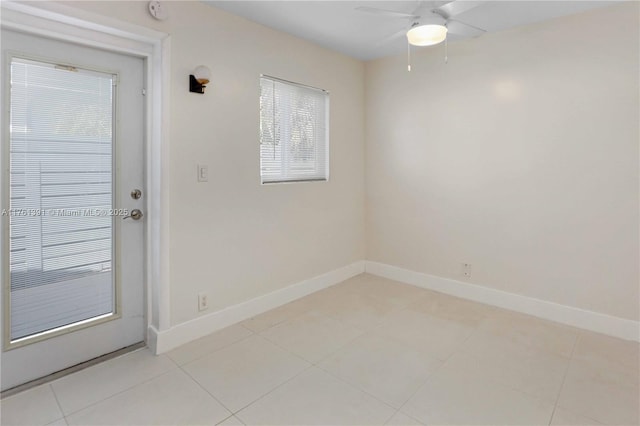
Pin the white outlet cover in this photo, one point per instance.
(465, 269)
(203, 301)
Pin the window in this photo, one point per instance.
(294, 132)
(60, 164)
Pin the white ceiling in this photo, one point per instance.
(337, 25)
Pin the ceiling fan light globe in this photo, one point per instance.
(427, 35)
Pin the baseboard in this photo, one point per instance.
(589, 320)
(163, 341)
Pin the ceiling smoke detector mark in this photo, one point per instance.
(158, 10)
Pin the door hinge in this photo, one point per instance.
(144, 92)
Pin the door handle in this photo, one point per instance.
(136, 214)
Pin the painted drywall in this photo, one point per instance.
(232, 237)
(519, 156)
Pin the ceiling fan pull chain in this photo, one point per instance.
(446, 51)
(408, 56)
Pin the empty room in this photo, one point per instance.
(320, 212)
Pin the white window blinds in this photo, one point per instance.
(294, 132)
(61, 142)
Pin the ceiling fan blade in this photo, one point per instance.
(460, 28)
(457, 7)
(423, 7)
(440, 3)
(391, 37)
(385, 12)
(426, 6)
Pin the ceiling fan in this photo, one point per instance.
(431, 21)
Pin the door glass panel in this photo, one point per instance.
(61, 197)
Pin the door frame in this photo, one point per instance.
(66, 23)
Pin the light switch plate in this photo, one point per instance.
(203, 173)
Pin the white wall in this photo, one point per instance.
(520, 156)
(232, 237)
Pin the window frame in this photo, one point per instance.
(285, 175)
(10, 343)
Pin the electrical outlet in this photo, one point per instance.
(465, 270)
(203, 301)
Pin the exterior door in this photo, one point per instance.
(72, 205)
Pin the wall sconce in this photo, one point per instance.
(198, 79)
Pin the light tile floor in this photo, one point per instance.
(366, 351)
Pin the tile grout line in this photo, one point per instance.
(259, 334)
(312, 364)
(317, 363)
(564, 378)
(254, 334)
(393, 310)
(363, 332)
(521, 391)
(213, 351)
(69, 371)
(277, 323)
(397, 343)
(457, 349)
(354, 387)
(515, 389)
(240, 324)
(233, 413)
(208, 393)
(123, 390)
(286, 350)
(404, 414)
(57, 402)
(272, 390)
(444, 362)
(227, 418)
(342, 347)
